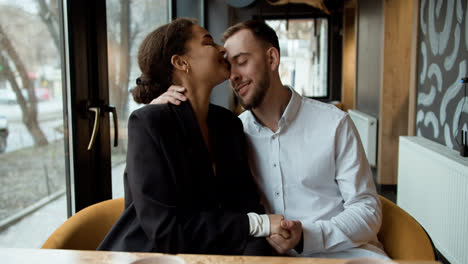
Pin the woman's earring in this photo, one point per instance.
(187, 70)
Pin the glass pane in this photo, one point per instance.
(128, 22)
(304, 54)
(32, 159)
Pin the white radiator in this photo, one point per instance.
(366, 126)
(433, 188)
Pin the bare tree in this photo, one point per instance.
(48, 14)
(120, 43)
(123, 31)
(28, 106)
(119, 72)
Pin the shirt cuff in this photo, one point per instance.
(259, 225)
(314, 242)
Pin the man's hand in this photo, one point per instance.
(173, 95)
(281, 244)
(275, 226)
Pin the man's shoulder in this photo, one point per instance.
(323, 110)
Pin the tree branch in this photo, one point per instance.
(51, 21)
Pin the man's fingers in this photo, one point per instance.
(174, 101)
(280, 242)
(290, 224)
(297, 225)
(287, 224)
(275, 246)
(181, 89)
(284, 233)
(176, 88)
(159, 100)
(179, 96)
(165, 98)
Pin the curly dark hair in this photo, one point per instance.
(154, 58)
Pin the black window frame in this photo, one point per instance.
(324, 16)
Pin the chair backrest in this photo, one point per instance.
(402, 236)
(86, 229)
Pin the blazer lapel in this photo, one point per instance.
(192, 136)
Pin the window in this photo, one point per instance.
(33, 135)
(128, 23)
(40, 159)
(304, 54)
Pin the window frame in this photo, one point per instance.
(328, 97)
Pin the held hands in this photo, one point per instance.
(173, 95)
(281, 243)
(275, 226)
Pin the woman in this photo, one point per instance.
(188, 187)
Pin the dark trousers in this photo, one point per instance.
(258, 247)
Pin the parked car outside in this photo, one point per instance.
(3, 133)
(7, 96)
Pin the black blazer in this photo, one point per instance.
(174, 203)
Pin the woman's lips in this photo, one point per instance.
(225, 63)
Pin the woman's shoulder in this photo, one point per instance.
(163, 120)
(224, 115)
(155, 113)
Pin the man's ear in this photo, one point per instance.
(179, 63)
(273, 58)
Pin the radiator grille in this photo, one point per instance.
(433, 188)
(366, 126)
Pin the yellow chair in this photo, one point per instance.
(86, 229)
(401, 235)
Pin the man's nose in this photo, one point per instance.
(234, 77)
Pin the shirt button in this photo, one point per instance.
(277, 193)
(274, 165)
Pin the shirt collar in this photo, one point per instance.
(292, 109)
(289, 113)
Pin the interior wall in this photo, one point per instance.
(442, 62)
(369, 56)
(396, 78)
(349, 56)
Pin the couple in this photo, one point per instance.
(188, 186)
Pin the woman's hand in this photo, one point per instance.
(283, 245)
(173, 95)
(275, 226)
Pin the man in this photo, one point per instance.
(305, 155)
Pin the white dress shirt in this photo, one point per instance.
(314, 169)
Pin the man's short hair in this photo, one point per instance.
(260, 30)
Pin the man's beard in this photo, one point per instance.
(259, 93)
